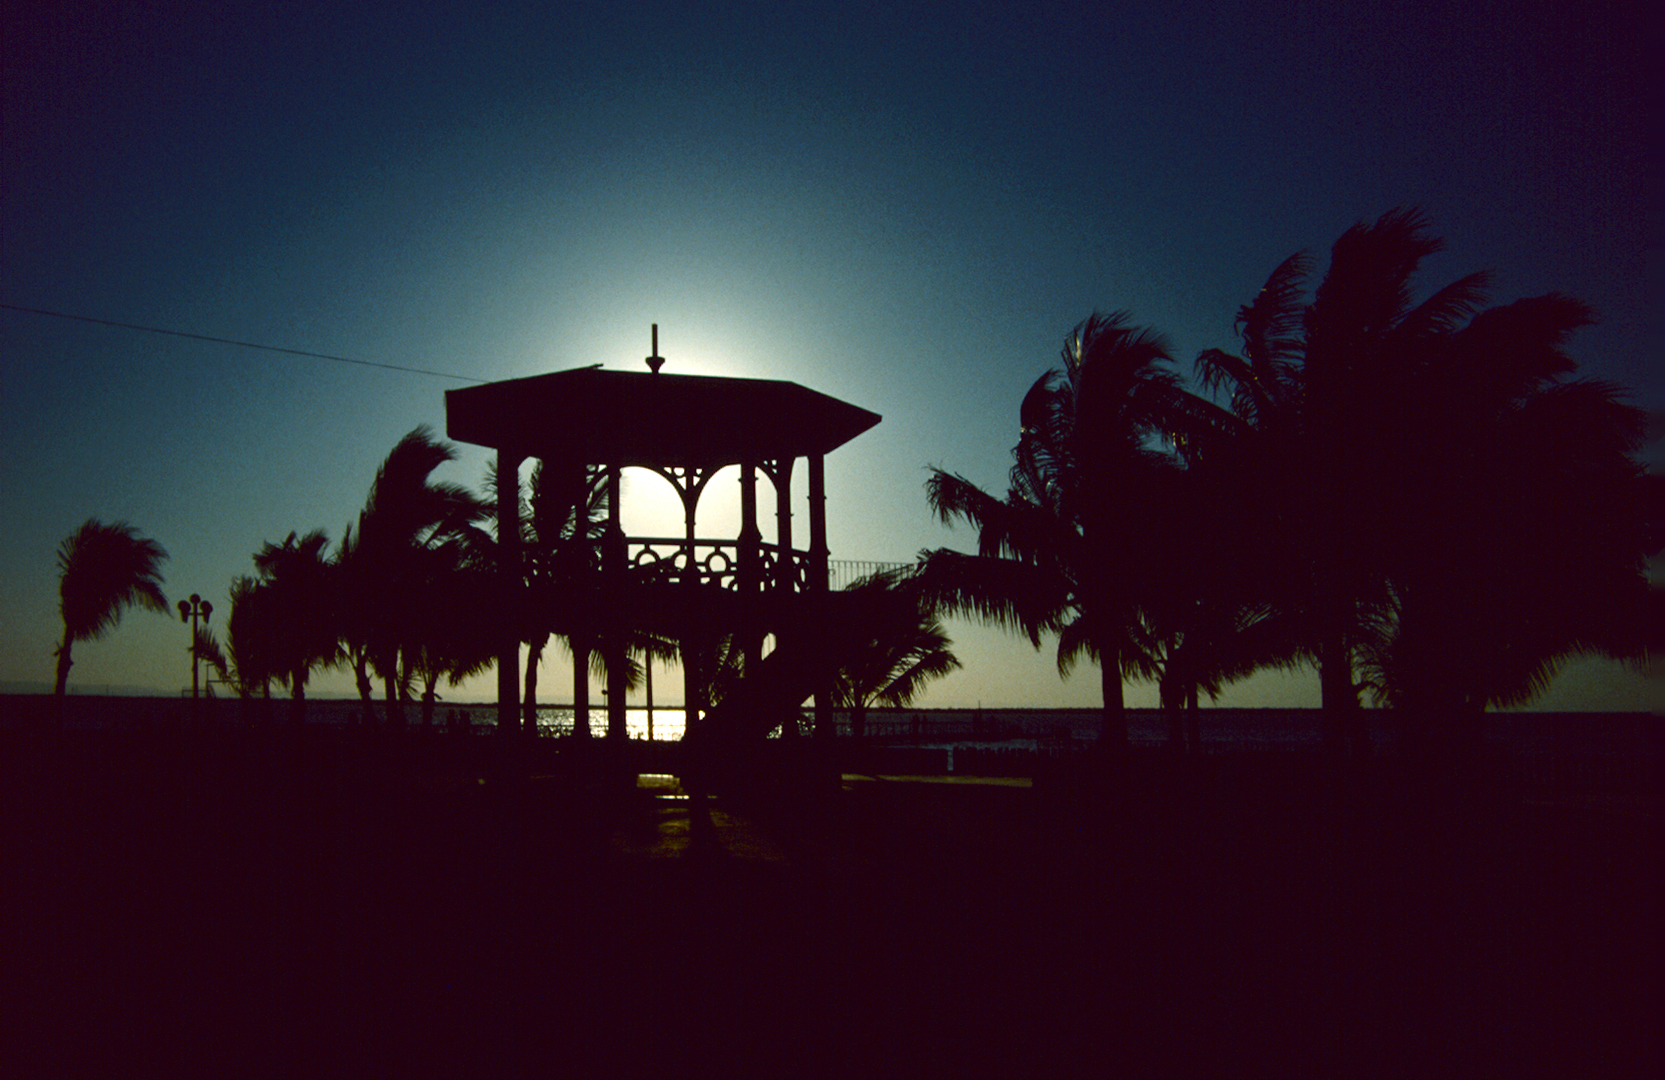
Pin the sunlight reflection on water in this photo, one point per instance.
(667, 723)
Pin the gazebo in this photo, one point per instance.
(685, 428)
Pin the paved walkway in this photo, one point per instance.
(669, 832)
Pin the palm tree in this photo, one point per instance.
(1442, 516)
(719, 659)
(1362, 337)
(238, 668)
(102, 571)
(562, 517)
(905, 647)
(1255, 456)
(356, 621)
(446, 643)
(389, 577)
(1530, 540)
(1205, 612)
(206, 647)
(1322, 401)
(1064, 552)
(297, 608)
(250, 639)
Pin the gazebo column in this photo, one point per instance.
(613, 573)
(508, 639)
(785, 580)
(785, 572)
(692, 637)
(750, 576)
(815, 583)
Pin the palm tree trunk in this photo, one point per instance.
(64, 664)
(429, 696)
(1193, 716)
(395, 710)
(1172, 696)
(1113, 733)
(1338, 696)
(529, 698)
(297, 697)
(366, 690)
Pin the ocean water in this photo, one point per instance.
(665, 724)
(1525, 733)
(1518, 734)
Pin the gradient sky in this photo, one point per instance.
(904, 206)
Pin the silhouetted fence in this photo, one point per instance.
(842, 573)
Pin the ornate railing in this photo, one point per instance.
(716, 562)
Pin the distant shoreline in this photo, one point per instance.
(13, 690)
(1522, 733)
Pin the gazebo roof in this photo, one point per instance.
(647, 418)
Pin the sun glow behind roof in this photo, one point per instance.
(651, 508)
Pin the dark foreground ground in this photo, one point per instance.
(208, 905)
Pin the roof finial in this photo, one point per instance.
(655, 362)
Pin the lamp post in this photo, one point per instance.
(189, 610)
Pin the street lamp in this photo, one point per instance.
(189, 610)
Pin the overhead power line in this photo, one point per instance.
(242, 344)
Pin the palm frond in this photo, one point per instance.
(952, 497)
(1511, 350)
(104, 569)
(1443, 313)
(206, 647)
(1367, 289)
(909, 683)
(1012, 595)
(1016, 526)
(1270, 325)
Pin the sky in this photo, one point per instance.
(904, 206)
